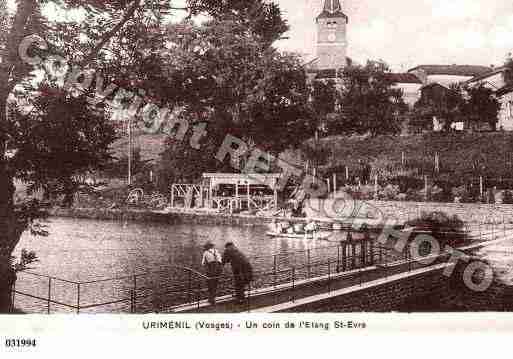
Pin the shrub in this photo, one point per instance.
(448, 230)
(461, 192)
(508, 197)
(390, 192)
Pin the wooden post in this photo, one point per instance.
(403, 159)
(481, 186)
(426, 187)
(363, 249)
(314, 175)
(334, 185)
(347, 173)
(210, 193)
(237, 195)
(376, 187)
(344, 256)
(329, 187)
(249, 196)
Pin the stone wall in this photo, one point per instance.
(387, 297)
(476, 213)
(425, 292)
(148, 216)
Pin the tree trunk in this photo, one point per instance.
(9, 231)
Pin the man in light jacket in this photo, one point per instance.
(212, 263)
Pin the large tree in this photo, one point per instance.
(102, 41)
(324, 96)
(369, 102)
(235, 83)
(57, 139)
(446, 104)
(482, 107)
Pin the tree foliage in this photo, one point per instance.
(446, 104)
(60, 138)
(369, 103)
(100, 35)
(482, 107)
(230, 79)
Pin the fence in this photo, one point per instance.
(175, 286)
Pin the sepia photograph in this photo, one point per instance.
(253, 158)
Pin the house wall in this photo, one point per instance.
(506, 112)
(493, 82)
(447, 80)
(411, 92)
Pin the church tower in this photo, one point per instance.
(331, 36)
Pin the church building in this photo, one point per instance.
(331, 45)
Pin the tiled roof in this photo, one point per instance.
(332, 6)
(404, 78)
(487, 74)
(453, 70)
(505, 90)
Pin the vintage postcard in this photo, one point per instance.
(336, 167)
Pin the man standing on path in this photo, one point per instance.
(241, 268)
(213, 268)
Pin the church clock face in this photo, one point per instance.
(332, 37)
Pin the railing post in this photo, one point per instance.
(135, 294)
(293, 284)
(371, 251)
(13, 296)
(353, 255)
(198, 295)
(189, 288)
(78, 298)
(275, 270)
(362, 253)
(344, 257)
(249, 297)
(49, 294)
(338, 257)
(308, 264)
(329, 275)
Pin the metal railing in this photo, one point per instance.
(176, 286)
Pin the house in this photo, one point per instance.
(497, 82)
(447, 75)
(410, 84)
(437, 96)
(505, 96)
(494, 80)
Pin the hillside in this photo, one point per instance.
(151, 145)
(460, 154)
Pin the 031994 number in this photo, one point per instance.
(20, 343)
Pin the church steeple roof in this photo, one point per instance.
(332, 6)
(331, 9)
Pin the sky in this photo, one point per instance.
(407, 33)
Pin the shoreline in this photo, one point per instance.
(189, 217)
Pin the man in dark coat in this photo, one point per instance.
(241, 268)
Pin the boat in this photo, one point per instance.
(320, 235)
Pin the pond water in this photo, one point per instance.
(87, 250)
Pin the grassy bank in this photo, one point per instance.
(461, 155)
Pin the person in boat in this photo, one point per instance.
(241, 268)
(311, 227)
(212, 262)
